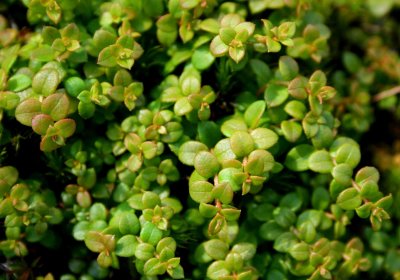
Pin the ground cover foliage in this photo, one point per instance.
(199, 139)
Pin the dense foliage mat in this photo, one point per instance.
(199, 139)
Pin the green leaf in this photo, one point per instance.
(189, 150)
(223, 151)
(216, 249)
(150, 199)
(216, 224)
(103, 38)
(297, 158)
(261, 70)
(150, 234)
(260, 160)
(321, 162)
(245, 250)
(128, 223)
(320, 198)
(154, 267)
(298, 88)
(296, 109)
(231, 20)
(317, 81)
(284, 217)
(104, 259)
(349, 154)
(86, 110)
(109, 55)
(218, 47)
(56, 105)
(242, 143)
(300, 251)
(210, 25)
(288, 67)
(366, 174)
(9, 100)
(26, 110)
(223, 192)
(385, 202)
(253, 114)
(80, 229)
(343, 173)
(48, 143)
(202, 58)
(286, 30)
(46, 81)
(166, 243)
(208, 133)
(257, 6)
(370, 191)
(352, 62)
(217, 270)
(65, 127)
(206, 164)
(87, 178)
(272, 45)
(126, 246)
(237, 53)
(264, 138)
(6, 207)
(18, 82)
(167, 29)
(285, 242)
(94, 241)
(207, 210)
(326, 92)
(307, 231)
(97, 212)
(227, 34)
(231, 214)
(378, 8)
(244, 30)
(144, 251)
(364, 211)
(232, 125)
(182, 106)
(291, 130)
(41, 122)
(271, 230)
(8, 177)
(176, 272)
(349, 199)
(131, 95)
(275, 95)
(190, 82)
(54, 12)
(201, 191)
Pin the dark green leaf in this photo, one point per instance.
(298, 157)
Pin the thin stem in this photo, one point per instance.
(386, 93)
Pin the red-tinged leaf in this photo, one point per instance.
(41, 122)
(65, 127)
(48, 144)
(56, 105)
(26, 110)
